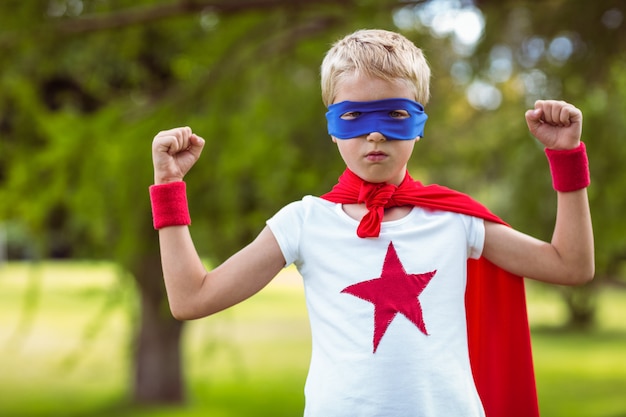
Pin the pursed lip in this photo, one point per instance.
(375, 156)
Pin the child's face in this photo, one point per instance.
(372, 157)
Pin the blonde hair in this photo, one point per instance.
(375, 53)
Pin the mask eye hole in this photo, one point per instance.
(351, 115)
(399, 114)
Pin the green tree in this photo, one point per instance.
(583, 46)
(86, 85)
(554, 49)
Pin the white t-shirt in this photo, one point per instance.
(416, 368)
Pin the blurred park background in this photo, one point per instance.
(85, 328)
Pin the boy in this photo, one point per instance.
(385, 259)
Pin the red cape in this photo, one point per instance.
(495, 304)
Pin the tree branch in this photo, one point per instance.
(147, 14)
(141, 15)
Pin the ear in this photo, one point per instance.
(334, 139)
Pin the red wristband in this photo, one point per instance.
(169, 205)
(569, 168)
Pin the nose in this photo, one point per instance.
(376, 137)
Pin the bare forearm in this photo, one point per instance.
(183, 270)
(573, 236)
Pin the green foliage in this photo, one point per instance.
(81, 111)
(604, 104)
(79, 108)
(490, 154)
(526, 53)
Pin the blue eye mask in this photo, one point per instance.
(376, 116)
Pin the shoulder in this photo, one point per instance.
(296, 220)
(301, 208)
(312, 203)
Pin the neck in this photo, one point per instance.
(358, 211)
(395, 180)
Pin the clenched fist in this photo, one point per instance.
(556, 124)
(174, 152)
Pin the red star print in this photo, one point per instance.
(393, 292)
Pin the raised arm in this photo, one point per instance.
(192, 290)
(569, 257)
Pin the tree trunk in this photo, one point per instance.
(158, 371)
(582, 303)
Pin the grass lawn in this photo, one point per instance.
(65, 334)
(579, 374)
